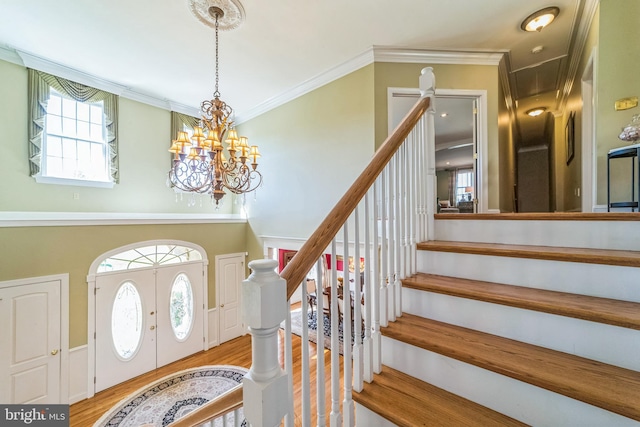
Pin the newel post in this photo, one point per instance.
(428, 89)
(265, 388)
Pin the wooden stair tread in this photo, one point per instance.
(609, 387)
(625, 314)
(553, 253)
(407, 401)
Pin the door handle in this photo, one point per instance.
(221, 305)
(152, 328)
(54, 352)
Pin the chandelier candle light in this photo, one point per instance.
(199, 164)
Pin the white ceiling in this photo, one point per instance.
(159, 48)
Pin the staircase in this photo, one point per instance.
(526, 320)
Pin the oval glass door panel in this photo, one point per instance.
(126, 321)
(181, 307)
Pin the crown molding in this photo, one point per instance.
(53, 219)
(28, 60)
(334, 73)
(420, 56)
(369, 56)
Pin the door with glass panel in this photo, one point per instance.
(147, 318)
(125, 326)
(179, 311)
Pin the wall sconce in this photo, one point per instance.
(540, 19)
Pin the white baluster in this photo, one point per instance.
(368, 295)
(264, 303)
(288, 365)
(391, 293)
(358, 362)
(305, 382)
(348, 408)
(384, 254)
(320, 386)
(397, 308)
(335, 417)
(236, 418)
(376, 284)
(413, 194)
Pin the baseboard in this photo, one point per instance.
(78, 359)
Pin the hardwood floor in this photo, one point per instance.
(235, 352)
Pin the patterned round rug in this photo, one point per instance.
(173, 396)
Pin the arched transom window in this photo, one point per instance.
(148, 256)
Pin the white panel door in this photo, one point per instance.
(180, 314)
(30, 343)
(230, 270)
(126, 342)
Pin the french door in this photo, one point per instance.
(147, 318)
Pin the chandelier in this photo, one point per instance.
(199, 162)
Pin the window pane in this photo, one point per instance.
(126, 320)
(84, 154)
(69, 108)
(181, 307)
(96, 114)
(54, 106)
(69, 167)
(83, 130)
(69, 148)
(54, 124)
(54, 146)
(68, 127)
(54, 166)
(83, 112)
(96, 132)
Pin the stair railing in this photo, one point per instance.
(392, 204)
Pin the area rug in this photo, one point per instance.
(312, 322)
(169, 398)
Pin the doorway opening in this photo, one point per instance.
(460, 147)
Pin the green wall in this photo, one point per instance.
(314, 148)
(617, 71)
(143, 140)
(41, 251)
(484, 77)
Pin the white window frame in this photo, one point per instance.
(42, 176)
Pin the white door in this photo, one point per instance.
(126, 343)
(30, 343)
(230, 273)
(180, 311)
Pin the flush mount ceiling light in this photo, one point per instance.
(536, 111)
(540, 19)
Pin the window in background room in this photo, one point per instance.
(74, 145)
(464, 180)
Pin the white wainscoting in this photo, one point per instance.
(212, 318)
(78, 359)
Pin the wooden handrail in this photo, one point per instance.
(228, 401)
(297, 269)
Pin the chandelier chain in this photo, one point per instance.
(217, 92)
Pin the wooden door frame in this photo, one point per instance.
(482, 136)
(218, 281)
(63, 279)
(91, 299)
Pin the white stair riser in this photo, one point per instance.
(529, 404)
(605, 343)
(606, 281)
(623, 235)
(368, 418)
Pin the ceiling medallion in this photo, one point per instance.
(232, 18)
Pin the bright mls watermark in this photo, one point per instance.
(34, 415)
